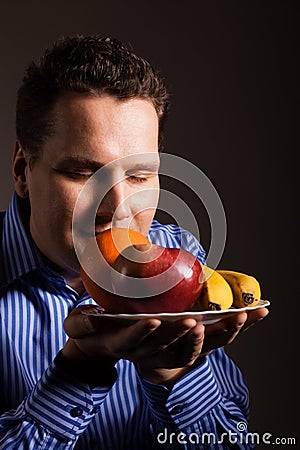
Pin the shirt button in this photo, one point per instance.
(76, 412)
(176, 410)
(95, 410)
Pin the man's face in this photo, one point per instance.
(89, 133)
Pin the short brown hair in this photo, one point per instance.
(93, 65)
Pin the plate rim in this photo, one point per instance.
(204, 314)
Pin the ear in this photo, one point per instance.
(20, 168)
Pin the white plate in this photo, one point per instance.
(204, 317)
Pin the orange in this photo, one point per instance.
(111, 243)
(114, 240)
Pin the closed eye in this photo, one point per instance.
(76, 175)
(140, 177)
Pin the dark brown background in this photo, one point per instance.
(231, 69)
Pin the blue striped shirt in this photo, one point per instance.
(43, 407)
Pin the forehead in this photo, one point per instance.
(105, 124)
(104, 115)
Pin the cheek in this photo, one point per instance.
(144, 200)
(143, 209)
(62, 204)
(56, 205)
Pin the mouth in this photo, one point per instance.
(102, 223)
(85, 234)
(101, 229)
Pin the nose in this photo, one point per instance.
(115, 204)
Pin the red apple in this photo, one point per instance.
(153, 279)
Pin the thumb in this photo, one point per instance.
(78, 324)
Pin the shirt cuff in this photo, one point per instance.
(190, 398)
(62, 404)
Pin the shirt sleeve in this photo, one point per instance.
(204, 407)
(53, 415)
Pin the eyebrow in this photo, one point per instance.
(151, 166)
(79, 161)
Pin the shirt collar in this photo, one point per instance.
(20, 254)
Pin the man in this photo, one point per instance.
(86, 383)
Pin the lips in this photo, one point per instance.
(99, 230)
(104, 218)
(102, 223)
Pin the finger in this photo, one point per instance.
(134, 335)
(78, 324)
(182, 352)
(220, 337)
(234, 323)
(81, 322)
(169, 333)
(254, 317)
(191, 346)
(164, 336)
(228, 324)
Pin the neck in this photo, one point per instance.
(76, 284)
(71, 276)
